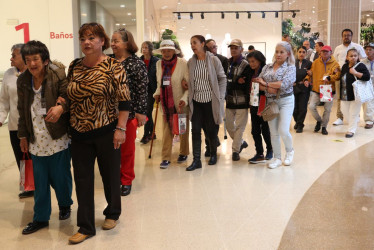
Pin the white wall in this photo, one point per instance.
(256, 29)
(44, 17)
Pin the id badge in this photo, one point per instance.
(43, 108)
(166, 81)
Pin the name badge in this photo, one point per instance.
(41, 111)
(166, 80)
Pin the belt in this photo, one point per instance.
(281, 96)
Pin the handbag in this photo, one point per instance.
(271, 111)
(179, 124)
(255, 94)
(363, 90)
(325, 93)
(26, 174)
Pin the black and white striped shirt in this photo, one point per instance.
(203, 90)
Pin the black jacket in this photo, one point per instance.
(224, 62)
(350, 79)
(236, 93)
(152, 83)
(301, 74)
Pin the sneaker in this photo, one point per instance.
(164, 164)
(269, 155)
(243, 146)
(324, 131)
(235, 156)
(368, 126)
(182, 158)
(257, 159)
(317, 127)
(289, 158)
(275, 163)
(338, 122)
(349, 135)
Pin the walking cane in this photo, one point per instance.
(224, 129)
(153, 132)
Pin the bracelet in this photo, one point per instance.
(119, 128)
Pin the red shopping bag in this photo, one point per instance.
(26, 174)
(179, 124)
(261, 104)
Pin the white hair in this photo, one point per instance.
(287, 46)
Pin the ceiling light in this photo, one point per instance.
(117, 24)
(123, 24)
(222, 15)
(263, 14)
(191, 16)
(367, 15)
(293, 14)
(179, 16)
(237, 15)
(276, 14)
(164, 7)
(249, 15)
(129, 14)
(122, 6)
(202, 15)
(179, 1)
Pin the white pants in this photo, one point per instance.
(368, 108)
(351, 112)
(236, 120)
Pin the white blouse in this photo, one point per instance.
(44, 145)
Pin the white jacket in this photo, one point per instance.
(9, 99)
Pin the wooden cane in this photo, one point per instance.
(153, 132)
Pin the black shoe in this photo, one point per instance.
(182, 158)
(299, 129)
(324, 131)
(207, 153)
(26, 194)
(144, 140)
(317, 127)
(125, 190)
(34, 226)
(243, 146)
(257, 159)
(164, 164)
(295, 126)
(64, 213)
(194, 165)
(235, 156)
(269, 155)
(213, 159)
(349, 135)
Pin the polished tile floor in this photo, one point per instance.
(233, 205)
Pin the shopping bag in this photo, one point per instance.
(261, 105)
(179, 124)
(255, 94)
(325, 93)
(26, 174)
(363, 90)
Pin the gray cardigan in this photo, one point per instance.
(217, 80)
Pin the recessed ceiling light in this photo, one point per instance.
(117, 24)
(313, 11)
(164, 7)
(123, 24)
(84, 14)
(368, 15)
(122, 6)
(129, 14)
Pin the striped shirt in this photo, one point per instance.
(203, 90)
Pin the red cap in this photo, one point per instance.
(326, 48)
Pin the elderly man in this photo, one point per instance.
(325, 70)
(309, 51)
(369, 106)
(340, 55)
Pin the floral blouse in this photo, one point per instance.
(285, 73)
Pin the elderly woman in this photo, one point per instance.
(42, 129)
(207, 87)
(8, 104)
(171, 71)
(277, 80)
(124, 49)
(99, 104)
(150, 62)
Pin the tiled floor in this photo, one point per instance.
(233, 205)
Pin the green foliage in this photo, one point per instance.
(367, 34)
(298, 37)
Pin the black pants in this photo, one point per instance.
(84, 154)
(202, 118)
(148, 127)
(301, 106)
(259, 126)
(16, 146)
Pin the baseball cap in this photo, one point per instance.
(326, 48)
(236, 42)
(369, 45)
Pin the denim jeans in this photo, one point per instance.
(280, 126)
(313, 103)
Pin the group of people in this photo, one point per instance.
(93, 113)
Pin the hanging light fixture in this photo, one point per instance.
(202, 15)
(222, 15)
(191, 16)
(263, 14)
(276, 14)
(249, 15)
(294, 14)
(237, 15)
(179, 16)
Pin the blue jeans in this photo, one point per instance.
(280, 126)
(53, 170)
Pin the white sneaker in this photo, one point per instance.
(274, 163)
(289, 158)
(338, 122)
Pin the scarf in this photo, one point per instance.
(166, 94)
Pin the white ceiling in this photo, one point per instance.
(120, 13)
